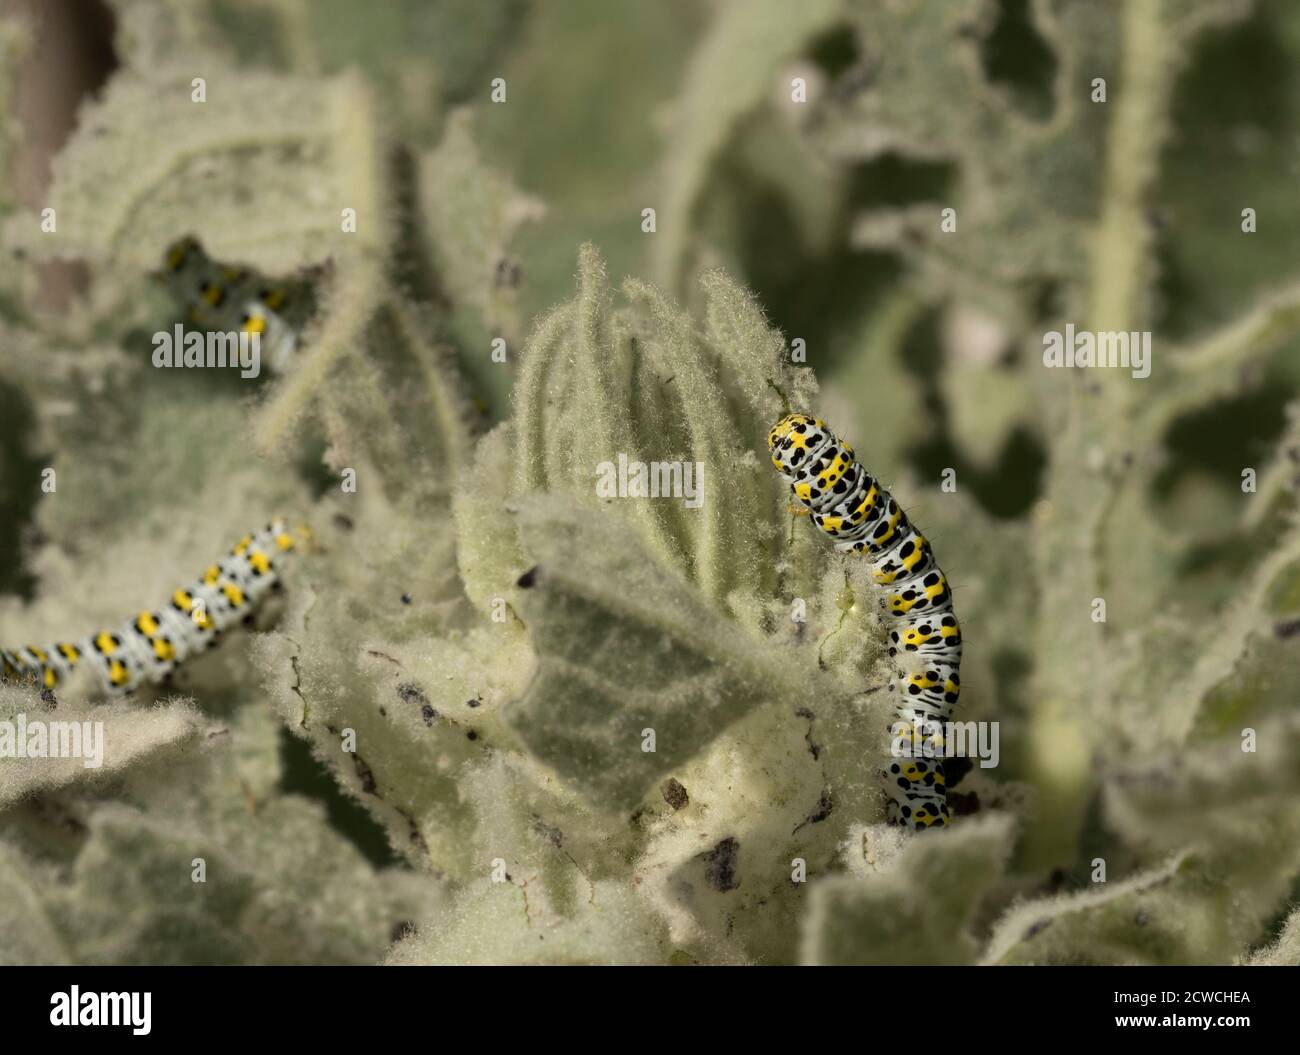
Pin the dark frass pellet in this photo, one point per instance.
(675, 794)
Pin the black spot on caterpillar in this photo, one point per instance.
(845, 502)
(148, 647)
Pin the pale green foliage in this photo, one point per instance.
(731, 73)
(323, 128)
(909, 909)
(416, 54)
(1283, 952)
(477, 643)
(470, 214)
(99, 862)
(135, 735)
(635, 617)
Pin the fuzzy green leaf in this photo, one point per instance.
(912, 912)
(626, 648)
(732, 72)
(127, 736)
(148, 164)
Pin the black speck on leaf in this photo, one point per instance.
(823, 810)
(720, 865)
(409, 692)
(675, 793)
(549, 832)
(1287, 628)
(366, 774)
(1037, 928)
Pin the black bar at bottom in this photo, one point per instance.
(364, 1004)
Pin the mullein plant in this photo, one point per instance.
(622, 729)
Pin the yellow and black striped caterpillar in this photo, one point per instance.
(235, 299)
(848, 504)
(150, 646)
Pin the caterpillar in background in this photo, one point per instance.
(150, 646)
(217, 297)
(849, 505)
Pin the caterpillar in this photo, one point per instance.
(217, 297)
(849, 505)
(151, 645)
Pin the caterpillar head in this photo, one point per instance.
(281, 537)
(794, 440)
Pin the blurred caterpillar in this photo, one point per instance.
(150, 646)
(217, 297)
(848, 504)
